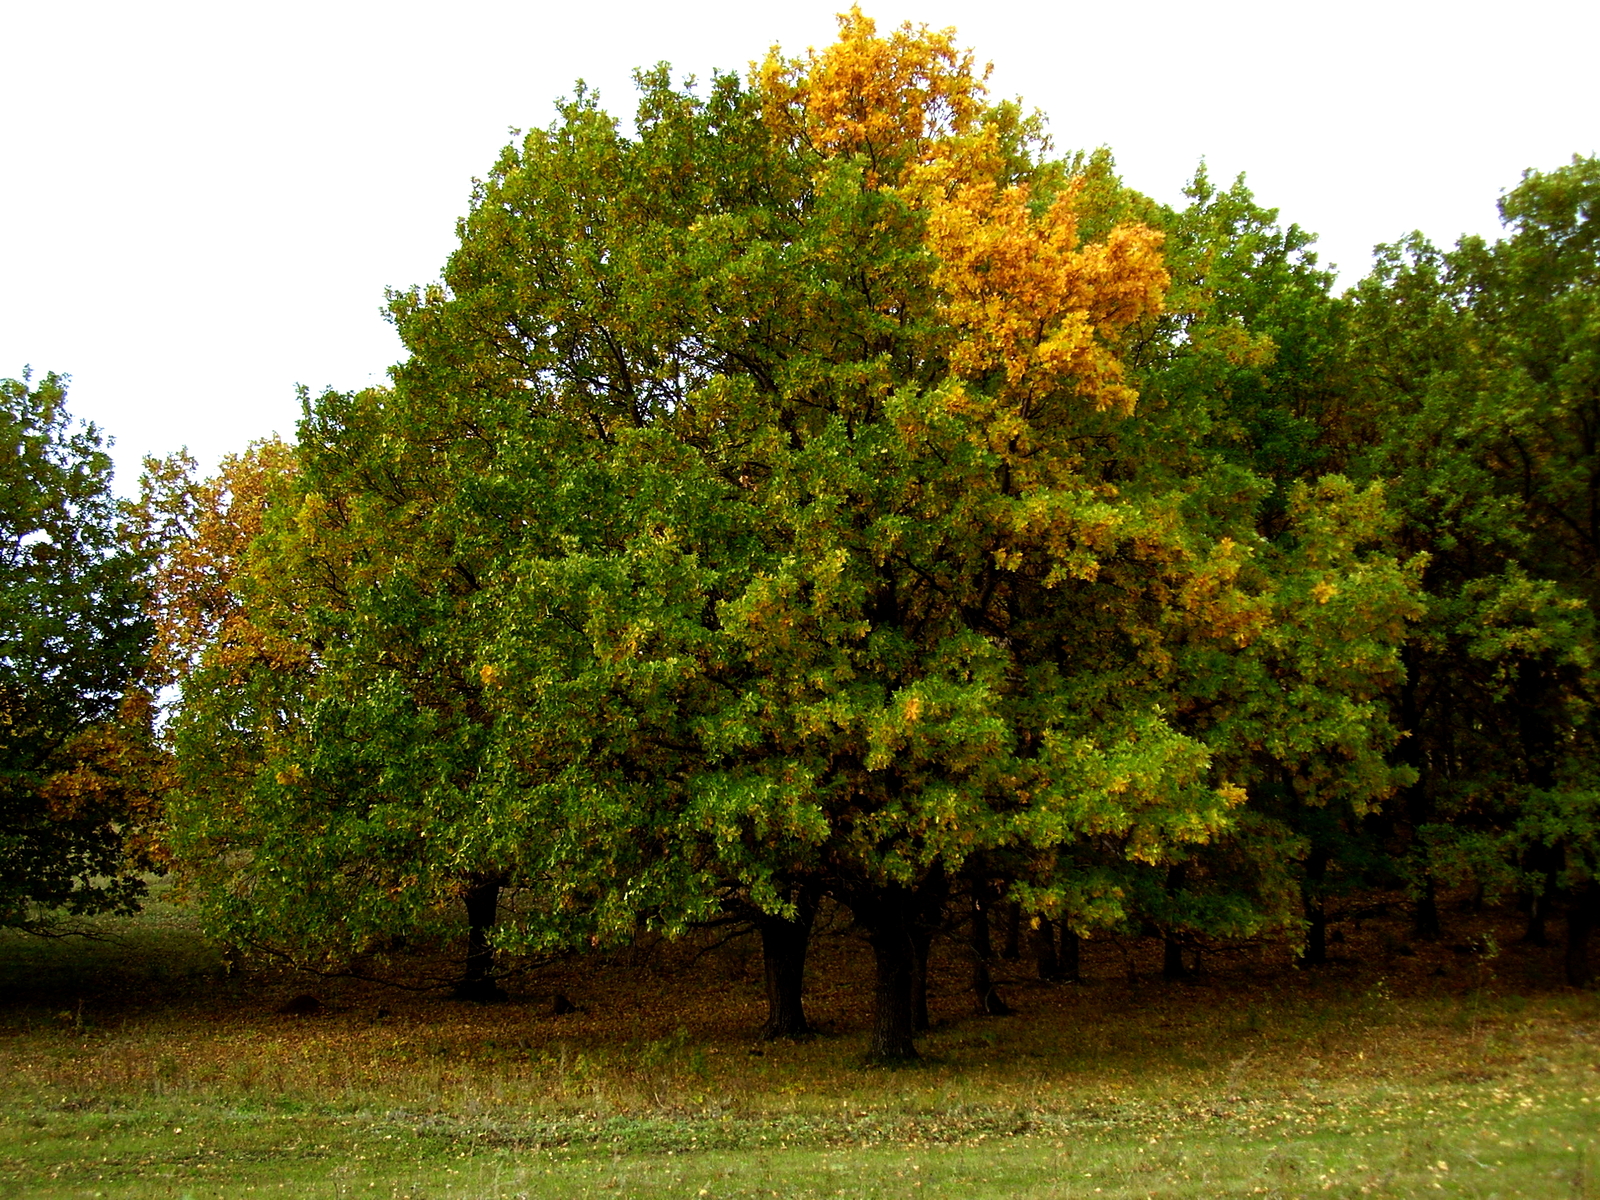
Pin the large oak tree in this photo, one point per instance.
(765, 508)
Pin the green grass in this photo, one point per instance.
(1383, 1142)
(132, 1068)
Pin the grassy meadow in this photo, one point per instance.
(133, 1065)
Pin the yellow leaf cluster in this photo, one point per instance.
(114, 772)
(1027, 299)
(207, 529)
(894, 99)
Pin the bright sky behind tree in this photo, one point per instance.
(203, 203)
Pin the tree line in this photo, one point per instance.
(823, 489)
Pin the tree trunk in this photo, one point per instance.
(1539, 752)
(1011, 948)
(1315, 953)
(1071, 955)
(1172, 947)
(1580, 921)
(988, 1000)
(889, 915)
(1417, 799)
(1044, 950)
(1172, 958)
(921, 946)
(927, 918)
(1425, 926)
(783, 951)
(1544, 861)
(482, 900)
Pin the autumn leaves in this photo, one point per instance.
(812, 492)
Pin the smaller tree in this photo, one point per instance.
(1482, 380)
(79, 774)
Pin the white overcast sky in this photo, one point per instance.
(202, 203)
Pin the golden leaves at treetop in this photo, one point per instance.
(1027, 300)
(894, 99)
(205, 529)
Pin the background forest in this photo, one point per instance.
(828, 496)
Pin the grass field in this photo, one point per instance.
(133, 1066)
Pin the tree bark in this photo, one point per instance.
(1171, 944)
(1580, 922)
(1315, 953)
(1044, 950)
(1011, 948)
(1068, 965)
(783, 952)
(889, 915)
(1425, 926)
(1417, 799)
(482, 900)
(921, 946)
(987, 999)
(1545, 861)
(1172, 958)
(927, 916)
(1539, 743)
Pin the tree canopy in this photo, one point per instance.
(820, 488)
(1478, 374)
(78, 769)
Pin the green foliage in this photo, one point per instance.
(1483, 387)
(1242, 407)
(321, 808)
(77, 768)
(768, 498)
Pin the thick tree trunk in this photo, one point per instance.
(1011, 948)
(1417, 799)
(1315, 953)
(1172, 946)
(1425, 926)
(783, 951)
(987, 999)
(1580, 922)
(889, 915)
(921, 947)
(482, 900)
(1068, 965)
(1172, 959)
(927, 917)
(1539, 744)
(1044, 950)
(1535, 932)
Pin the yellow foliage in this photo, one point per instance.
(893, 99)
(1026, 300)
(115, 773)
(207, 530)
